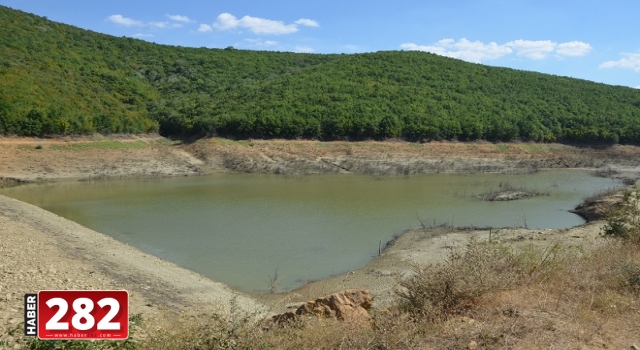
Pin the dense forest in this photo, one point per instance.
(57, 79)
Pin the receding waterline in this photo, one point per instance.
(238, 229)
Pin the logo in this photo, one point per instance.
(77, 314)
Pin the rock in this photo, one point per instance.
(505, 195)
(472, 345)
(350, 305)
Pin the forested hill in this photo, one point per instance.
(58, 79)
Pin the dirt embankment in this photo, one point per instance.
(31, 160)
(403, 158)
(153, 156)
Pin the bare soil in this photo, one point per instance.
(40, 250)
(404, 158)
(36, 160)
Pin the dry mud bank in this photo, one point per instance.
(153, 156)
(402, 158)
(37, 160)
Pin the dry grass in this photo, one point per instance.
(436, 292)
(490, 294)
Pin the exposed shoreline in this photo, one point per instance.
(41, 250)
(148, 156)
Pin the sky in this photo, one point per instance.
(597, 40)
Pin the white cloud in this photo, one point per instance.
(638, 87)
(179, 18)
(256, 25)
(259, 43)
(226, 21)
(142, 35)
(630, 61)
(129, 22)
(204, 28)
(352, 48)
(574, 48)
(307, 22)
(160, 25)
(477, 51)
(124, 21)
(304, 49)
(535, 50)
(462, 49)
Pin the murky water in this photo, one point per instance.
(238, 229)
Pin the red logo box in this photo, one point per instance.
(83, 314)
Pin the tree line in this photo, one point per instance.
(58, 79)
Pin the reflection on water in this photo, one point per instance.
(238, 229)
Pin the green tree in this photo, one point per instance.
(32, 124)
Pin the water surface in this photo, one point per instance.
(238, 229)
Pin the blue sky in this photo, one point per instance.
(596, 40)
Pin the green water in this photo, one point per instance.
(238, 229)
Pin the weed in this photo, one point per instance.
(502, 148)
(624, 220)
(442, 290)
(37, 344)
(273, 282)
(237, 330)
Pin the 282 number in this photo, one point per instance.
(83, 308)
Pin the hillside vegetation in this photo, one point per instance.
(58, 79)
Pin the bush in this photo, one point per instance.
(441, 290)
(624, 220)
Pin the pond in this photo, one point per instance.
(238, 229)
